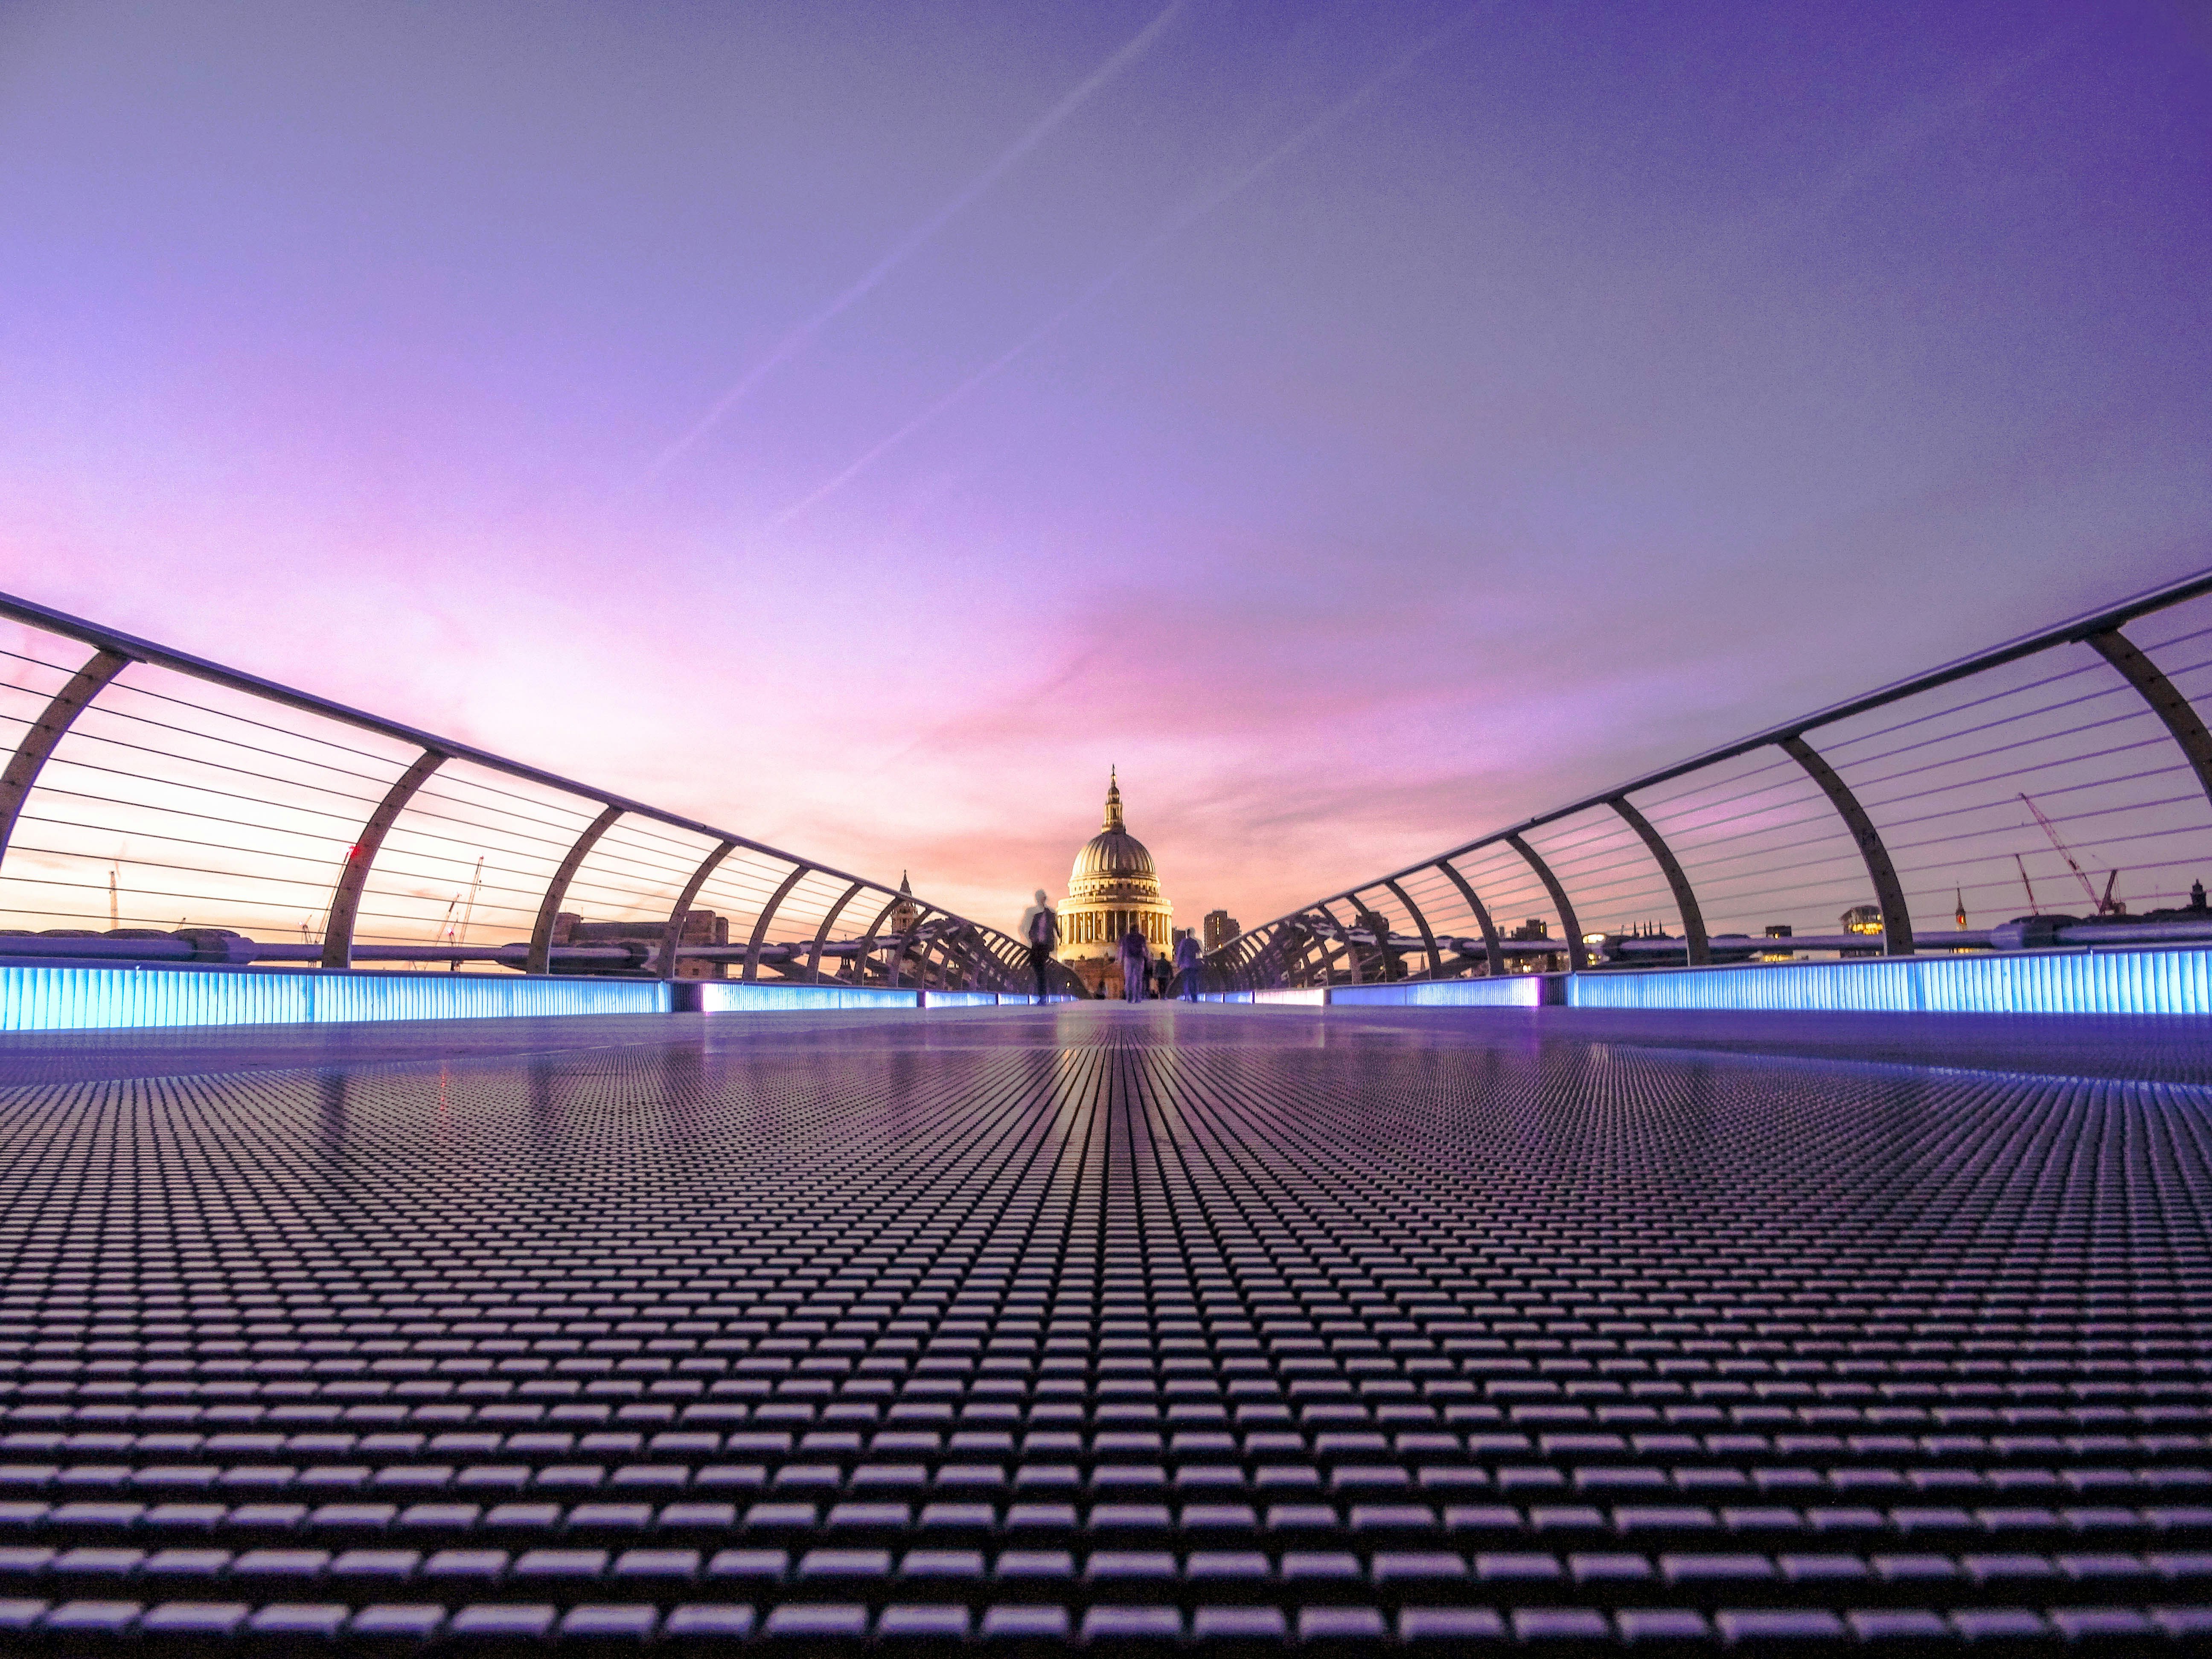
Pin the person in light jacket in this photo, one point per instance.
(1185, 961)
(1136, 962)
(1041, 932)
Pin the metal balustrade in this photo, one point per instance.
(157, 808)
(1956, 810)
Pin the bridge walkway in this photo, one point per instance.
(1224, 1326)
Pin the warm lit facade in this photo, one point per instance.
(1112, 886)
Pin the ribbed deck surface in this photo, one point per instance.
(1226, 1326)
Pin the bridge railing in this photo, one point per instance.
(156, 807)
(2059, 776)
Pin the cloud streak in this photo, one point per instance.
(1173, 226)
(801, 337)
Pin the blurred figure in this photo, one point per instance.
(1136, 962)
(1185, 961)
(1041, 932)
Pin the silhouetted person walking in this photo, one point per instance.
(1041, 932)
(1185, 961)
(1136, 962)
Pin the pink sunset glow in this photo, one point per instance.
(861, 429)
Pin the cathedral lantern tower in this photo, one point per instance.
(1112, 886)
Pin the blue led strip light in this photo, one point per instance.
(90, 998)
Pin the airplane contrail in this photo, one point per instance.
(798, 338)
(1173, 226)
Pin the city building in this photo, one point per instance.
(1113, 887)
(1220, 928)
(699, 927)
(1537, 927)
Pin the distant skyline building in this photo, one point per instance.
(1220, 928)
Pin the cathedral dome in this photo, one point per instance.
(1113, 887)
(1114, 859)
(1112, 855)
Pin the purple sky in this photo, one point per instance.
(860, 426)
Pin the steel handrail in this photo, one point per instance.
(1238, 962)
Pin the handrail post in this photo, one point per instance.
(822, 933)
(1428, 938)
(904, 943)
(47, 731)
(960, 958)
(1578, 952)
(767, 916)
(955, 965)
(353, 878)
(1699, 948)
(1386, 954)
(664, 967)
(1491, 947)
(858, 960)
(2173, 710)
(1344, 937)
(540, 959)
(1888, 892)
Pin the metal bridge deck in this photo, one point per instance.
(1224, 1327)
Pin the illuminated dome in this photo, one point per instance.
(1111, 855)
(1112, 886)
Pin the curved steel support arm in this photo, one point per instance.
(859, 962)
(767, 916)
(1578, 952)
(1388, 962)
(904, 943)
(1491, 947)
(345, 903)
(957, 963)
(1699, 949)
(983, 966)
(1888, 892)
(1428, 938)
(1342, 935)
(822, 933)
(2180, 719)
(665, 968)
(1330, 948)
(540, 959)
(53, 724)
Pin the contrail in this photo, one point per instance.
(798, 339)
(1174, 225)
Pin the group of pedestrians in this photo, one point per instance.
(1141, 972)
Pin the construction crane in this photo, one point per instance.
(468, 910)
(2106, 906)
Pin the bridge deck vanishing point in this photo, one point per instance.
(1231, 1327)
